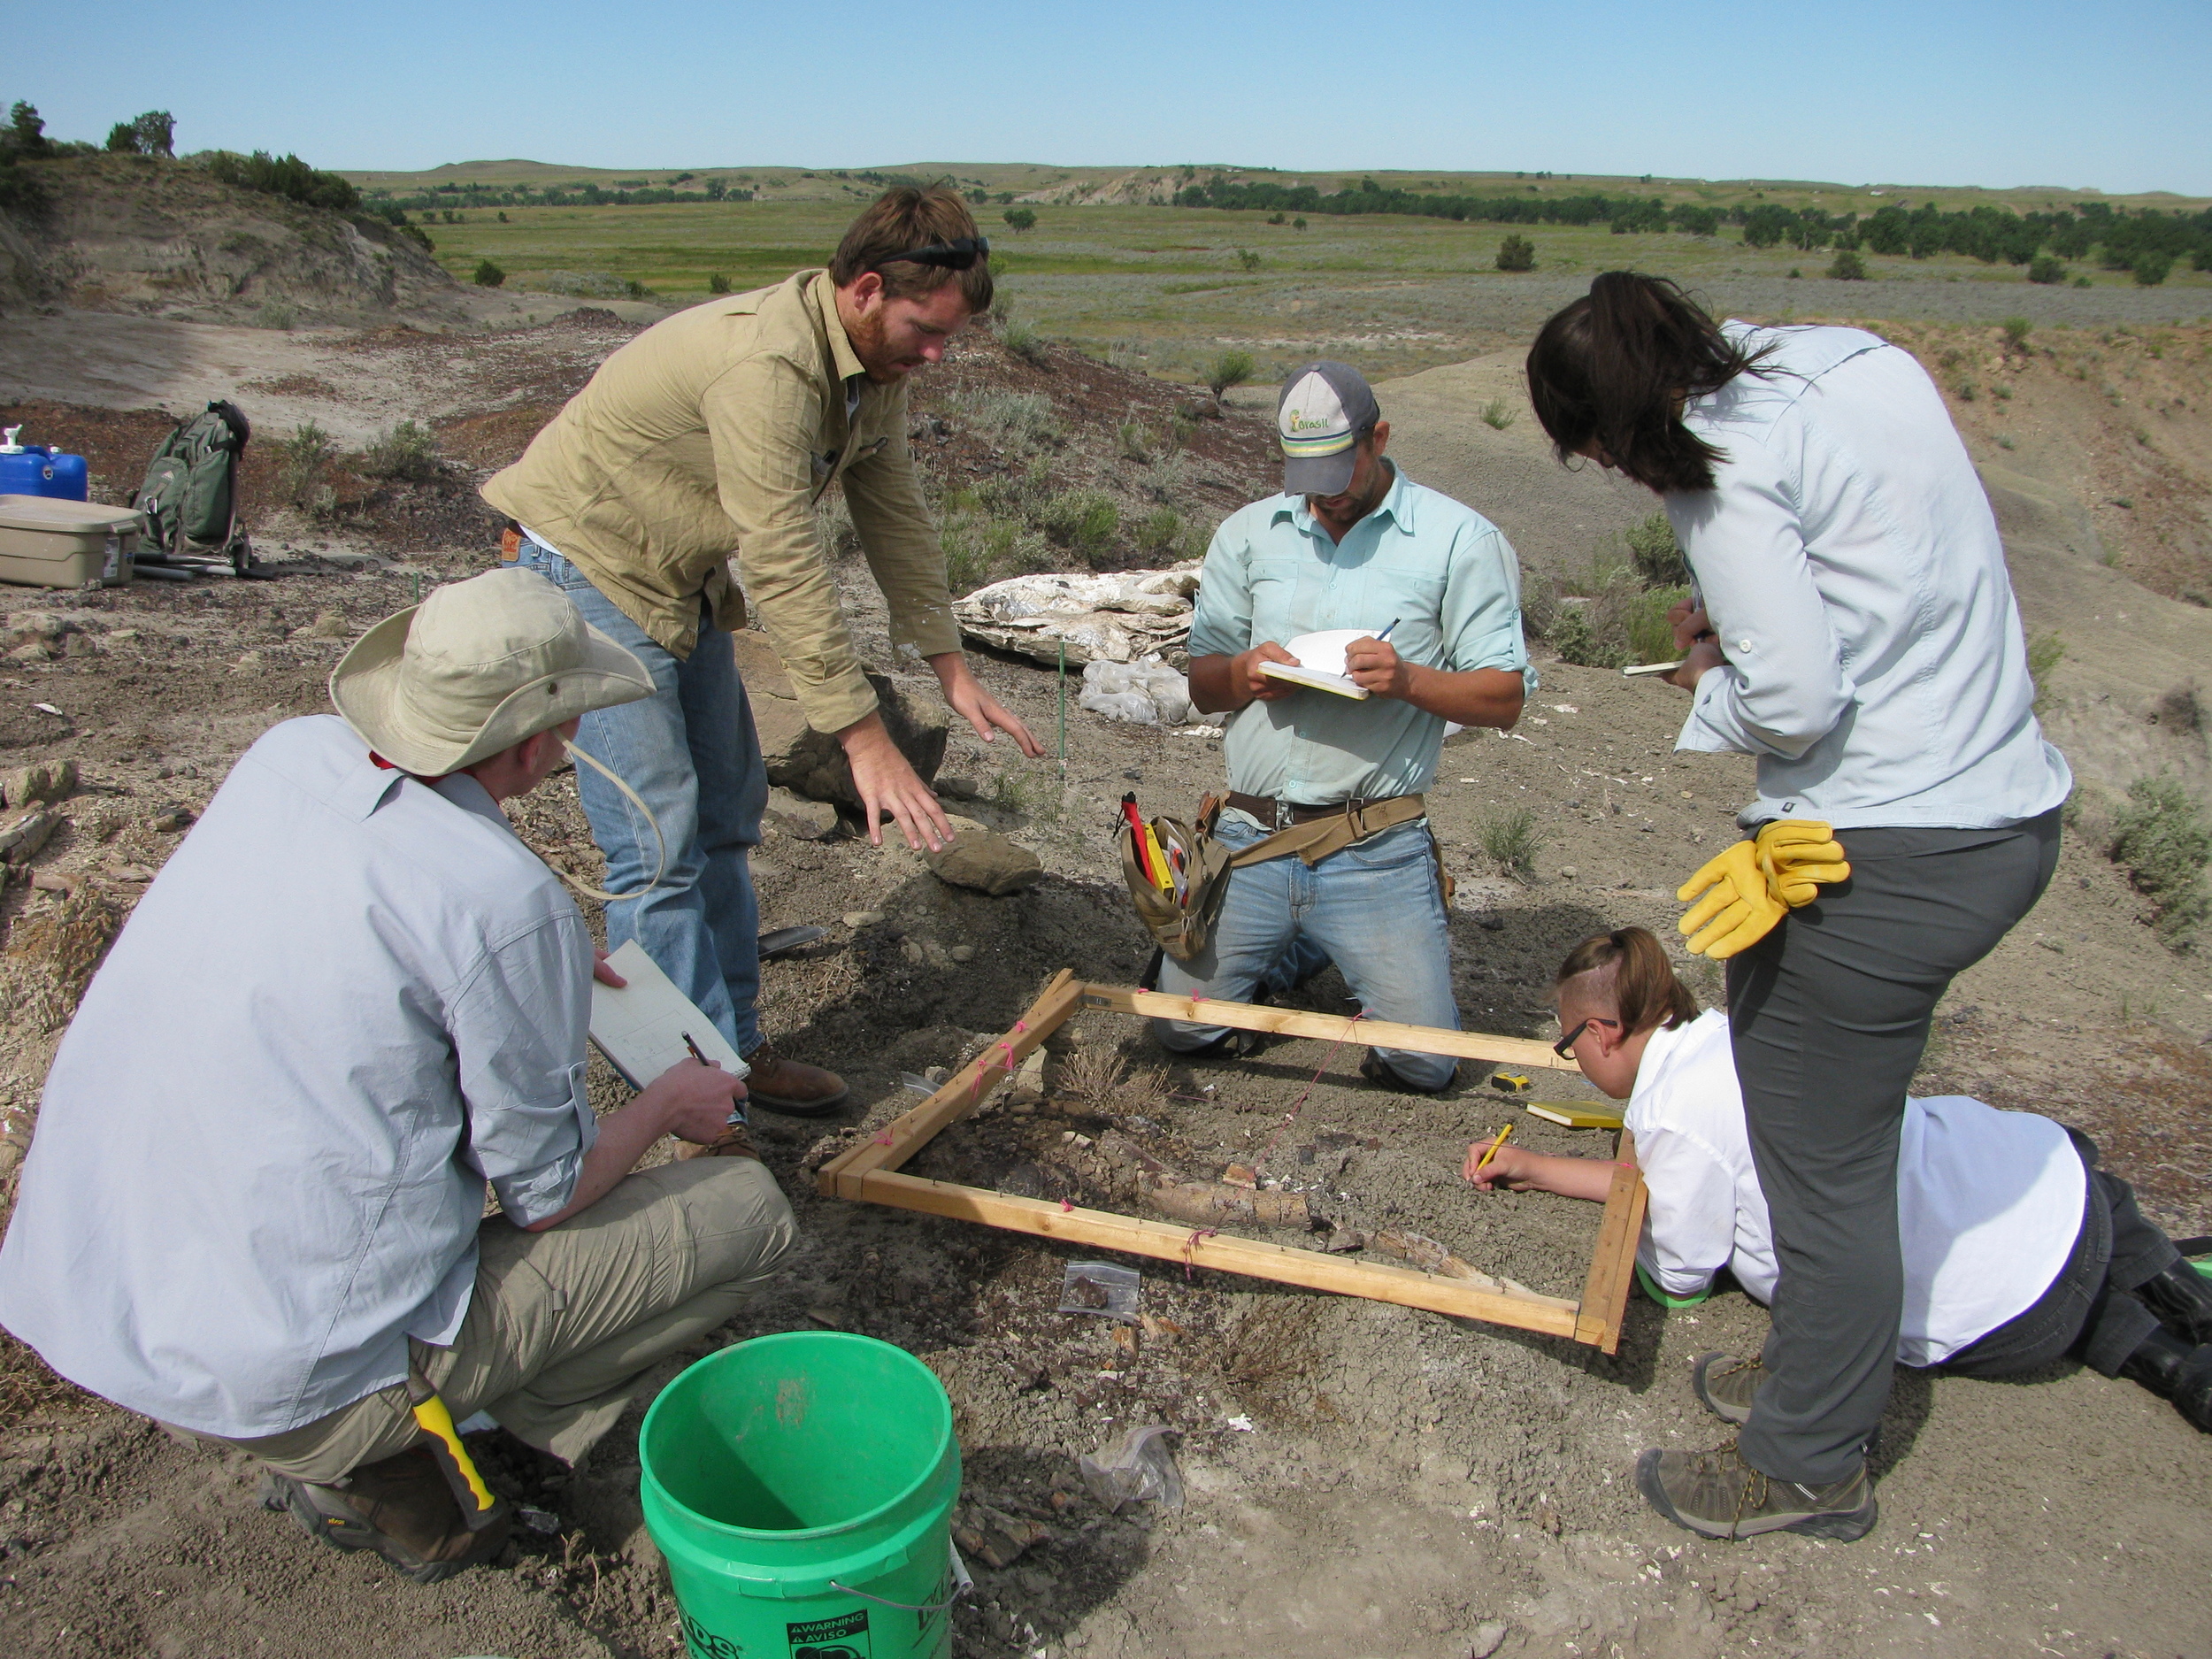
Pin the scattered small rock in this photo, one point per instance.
(809, 820)
(1568, 872)
(985, 861)
(43, 780)
(169, 820)
(959, 788)
(858, 919)
(961, 953)
(1489, 1637)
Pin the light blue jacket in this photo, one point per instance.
(1852, 568)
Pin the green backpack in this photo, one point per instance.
(190, 496)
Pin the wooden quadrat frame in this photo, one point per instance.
(870, 1172)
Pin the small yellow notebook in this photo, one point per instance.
(1577, 1114)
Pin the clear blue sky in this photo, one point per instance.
(2112, 96)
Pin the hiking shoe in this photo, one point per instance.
(789, 1088)
(736, 1141)
(1719, 1495)
(1724, 1384)
(402, 1508)
(2171, 1368)
(2182, 1299)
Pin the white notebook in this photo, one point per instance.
(641, 1028)
(1320, 679)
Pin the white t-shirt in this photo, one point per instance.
(1989, 1202)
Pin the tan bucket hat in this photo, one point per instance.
(476, 668)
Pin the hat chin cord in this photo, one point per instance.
(660, 847)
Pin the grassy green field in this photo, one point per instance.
(1166, 288)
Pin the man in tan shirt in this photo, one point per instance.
(714, 434)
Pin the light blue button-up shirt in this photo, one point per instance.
(1440, 571)
(1852, 568)
(350, 999)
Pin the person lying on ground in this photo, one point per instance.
(2019, 1249)
(1351, 542)
(253, 1207)
(712, 437)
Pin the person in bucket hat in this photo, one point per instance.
(1427, 594)
(254, 1207)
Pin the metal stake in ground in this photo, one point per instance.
(1064, 710)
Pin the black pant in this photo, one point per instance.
(2086, 1311)
(1829, 1015)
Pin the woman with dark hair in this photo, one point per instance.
(1853, 627)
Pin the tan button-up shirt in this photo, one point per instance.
(715, 432)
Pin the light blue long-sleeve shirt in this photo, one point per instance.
(1852, 568)
(1439, 570)
(349, 999)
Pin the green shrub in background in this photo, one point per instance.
(2046, 651)
(717, 283)
(1516, 253)
(1021, 219)
(2161, 838)
(1084, 521)
(1658, 555)
(487, 274)
(2151, 269)
(1231, 368)
(152, 134)
(1509, 839)
(303, 469)
(2045, 269)
(287, 176)
(1848, 267)
(1575, 637)
(408, 450)
(1023, 341)
(1650, 636)
(1497, 414)
(1160, 533)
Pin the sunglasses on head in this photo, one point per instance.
(961, 254)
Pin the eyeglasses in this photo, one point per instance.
(962, 253)
(1564, 1046)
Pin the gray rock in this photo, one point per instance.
(857, 919)
(1489, 1637)
(809, 820)
(986, 862)
(41, 780)
(810, 762)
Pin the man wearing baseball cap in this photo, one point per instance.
(1434, 591)
(253, 1207)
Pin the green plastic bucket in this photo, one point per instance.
(800, 1487)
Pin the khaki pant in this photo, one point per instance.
(563, 1323)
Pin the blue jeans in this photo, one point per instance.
(1372, 908)
(691, 753)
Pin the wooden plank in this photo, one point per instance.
(901, 1138)
(1467, 1044)
(1613, 1263)
(1253, 1258)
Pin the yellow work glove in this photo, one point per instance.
(1738, 909)
(1798, 857)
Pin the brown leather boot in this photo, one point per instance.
(404, 1509)
(788, 1086)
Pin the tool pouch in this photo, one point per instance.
(1180, 922)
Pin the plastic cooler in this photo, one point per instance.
(45, 543)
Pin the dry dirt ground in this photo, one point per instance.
(1363, 1480)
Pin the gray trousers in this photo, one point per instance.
(1829, 1015)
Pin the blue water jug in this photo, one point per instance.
(34, 469)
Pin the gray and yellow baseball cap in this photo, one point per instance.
(1324, 409)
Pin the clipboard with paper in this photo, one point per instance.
(641, 1026)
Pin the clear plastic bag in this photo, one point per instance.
(1099, 1287)
(1137, 1469)
(1132, 707)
